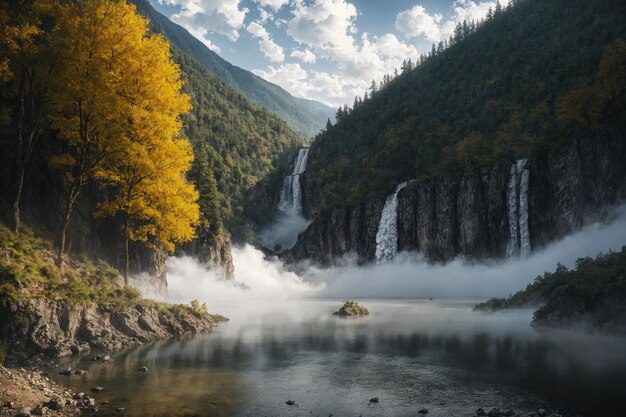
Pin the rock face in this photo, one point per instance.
(215, 251)
(468, 215)
(56, 328)
(342, 231)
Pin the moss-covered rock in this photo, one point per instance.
(351, 308)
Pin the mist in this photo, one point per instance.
(283, 233)
(409, 276)
(255, 278)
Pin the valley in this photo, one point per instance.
(178, 233)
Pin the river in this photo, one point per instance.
(411, 354)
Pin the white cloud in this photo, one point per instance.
(324, 25)
(292, 77)
(202, 17)
(257, 30)
(417, 22)
(264, 15)
(274, 4)
(327, 29)
(269, 48)
(325, 32)
(305, 56)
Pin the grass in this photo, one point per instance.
(28, 271)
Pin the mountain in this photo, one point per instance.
(541, 83)
(237, 141)
(236, 144)
(304, 116)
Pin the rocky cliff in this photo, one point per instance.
(468, 214)
(215, 251)
(57, 328)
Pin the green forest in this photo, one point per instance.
(593, 285)
(236, 144)
(504, 88)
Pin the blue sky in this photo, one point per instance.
(326, 50)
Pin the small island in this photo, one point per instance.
(351, 308)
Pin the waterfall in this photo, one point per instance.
(387, 234)
(517, 207)
(291, 193)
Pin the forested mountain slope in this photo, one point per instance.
(510, 136)
(234, 140)
(303, 116)
(524, 82)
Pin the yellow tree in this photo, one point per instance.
(159, 207)
(147, 171)
(97, 42)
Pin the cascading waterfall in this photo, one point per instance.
(387, 234)
(517, 205)
(291, 193)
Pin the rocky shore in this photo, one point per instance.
(56, 328)
(31, 392)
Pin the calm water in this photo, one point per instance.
(411, 354)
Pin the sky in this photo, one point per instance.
(325, 50)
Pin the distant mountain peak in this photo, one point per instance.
(306, 117)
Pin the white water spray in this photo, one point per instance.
(289, 222)
(291, 193)
(410, 276)
(387, 234)
(256, 278)
(517, 208)
(406, 276)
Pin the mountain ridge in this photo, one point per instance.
(299, 113)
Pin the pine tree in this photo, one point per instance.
(373, 87)
(498, 8)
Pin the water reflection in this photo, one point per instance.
(410, 354)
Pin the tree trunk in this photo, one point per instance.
(25, 142)
(67, 216)
(64, 224)
(126, 256)
(18, 197)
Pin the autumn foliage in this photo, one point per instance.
(114, 99)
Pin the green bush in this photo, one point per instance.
(199, 309)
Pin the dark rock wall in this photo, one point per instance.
(214, 251)
(344, 230)
(466, 215)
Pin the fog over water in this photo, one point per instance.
(282, 343)
(407, 276)
(283, 233)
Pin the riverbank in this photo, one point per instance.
(50, 311)
(591, 297)
(31, 392)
